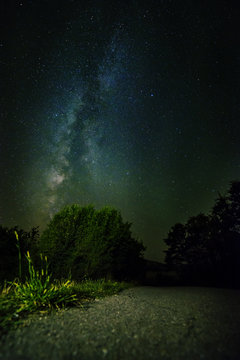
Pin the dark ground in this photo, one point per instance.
(140, 323)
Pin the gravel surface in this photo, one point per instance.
(139, 323)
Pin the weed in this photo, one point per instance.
(40, 292)
(19, 256)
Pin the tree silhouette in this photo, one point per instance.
(176, 241)
(82, 241)
(208, 246)
(226, 234)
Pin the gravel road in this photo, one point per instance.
(139, 323)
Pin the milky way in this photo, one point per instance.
(89, 135)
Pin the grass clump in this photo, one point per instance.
(92, 289)
(41, 292)
(38, 292)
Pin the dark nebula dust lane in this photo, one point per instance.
(131, 104)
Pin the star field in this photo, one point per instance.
(129, 104)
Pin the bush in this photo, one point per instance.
(82, 241)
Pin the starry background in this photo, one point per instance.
(132, 104)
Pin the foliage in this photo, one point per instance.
(177, 242)
(36, 293)
(208, 247)
(98, 288)
(17, 301)
(8, 308)
(11, 304)
(40, 292)
(12, 260)
(82, 241)
(19, 255)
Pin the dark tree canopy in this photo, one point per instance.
(82, 241)
(208, 246)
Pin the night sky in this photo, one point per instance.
(132, 104)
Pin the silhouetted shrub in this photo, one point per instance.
(85, 242)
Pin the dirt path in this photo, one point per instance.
(140, 323)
